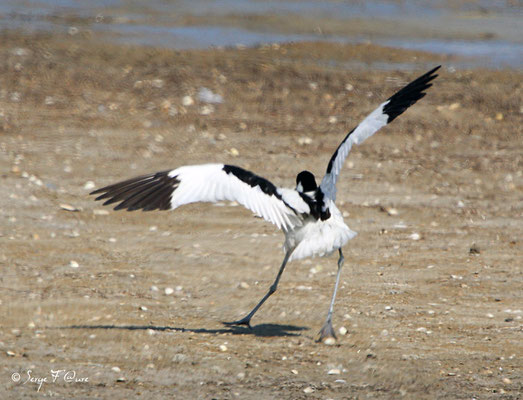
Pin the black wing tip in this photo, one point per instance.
(147, 192)
(409, 95)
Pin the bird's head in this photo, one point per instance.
(305, 182)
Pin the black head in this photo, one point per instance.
(305, 182)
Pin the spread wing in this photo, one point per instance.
(377, 119)
(168, 190)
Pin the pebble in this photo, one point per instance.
(507, 381)
(343, 331)
(295, 372)
(330, 341)
(121, 379)
(179, 357)
(187, 101)
(89, 185)
(454, 106)
(207, 109)
(154, 288)
(415, 236)
(223, 347)
(234, 152)
(244, 285)
(301, 287)
(334, 371)
(304, 140)
(10, 353)
(206, 95)
(308, 390)
(169, 291)
(333, 119)
(74, 264)
(100, 212)
(116, 369)
(68, 207)
(143, 308)
(241, 375)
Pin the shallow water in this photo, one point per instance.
(486, 33)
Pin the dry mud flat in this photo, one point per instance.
(431, 293)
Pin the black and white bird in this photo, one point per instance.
(307, 214)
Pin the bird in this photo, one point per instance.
(307, 214)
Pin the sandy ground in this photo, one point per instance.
(131, 304)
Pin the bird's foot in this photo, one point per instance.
(327, 333)
(244, 321)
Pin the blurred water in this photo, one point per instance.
(496, 23)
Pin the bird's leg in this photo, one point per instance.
(247, 319)
(327, 331)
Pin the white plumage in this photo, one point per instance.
(311, 222)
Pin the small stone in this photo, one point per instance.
(343, 331)
(143, 308)
(69, 207)
(100, 212)
(121, 379)
(499, 116)
(154, 288)
(415, 236)
(330, 341)
(187, 101)
(454, 106)
(295, 372)
(10, 353)
(223, 347)
(168, 291)
(308, 390)
(244, 285)
(116, 369)
(489, 315)
(241, 375)
(507, 381)
(334, 371)
(304, 140)
(234, 152)
(89, 185)
(74, 264)
(333, 119)
(207, 109)
(178, 358)
(422, 329)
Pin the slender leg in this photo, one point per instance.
(247, 319)
(327, 330)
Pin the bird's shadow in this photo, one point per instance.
(261, 330)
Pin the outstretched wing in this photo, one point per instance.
(380, 117)
(167, 190)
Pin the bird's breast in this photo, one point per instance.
(317, 237)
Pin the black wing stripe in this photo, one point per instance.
(252, 180)
(331, 161)
(409, 95)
